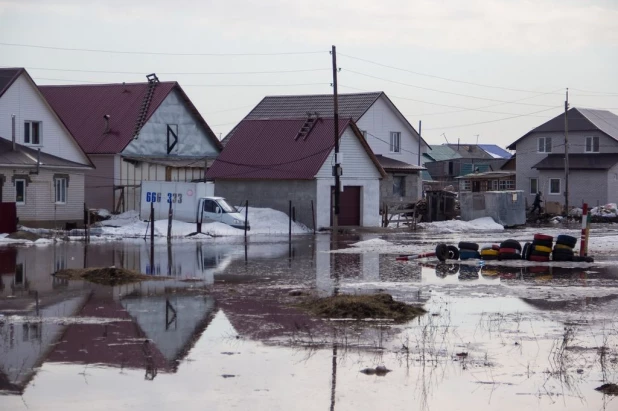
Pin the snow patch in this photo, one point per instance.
(454, 226)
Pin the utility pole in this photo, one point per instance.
(420, 127)
(337, 168)
(566, 153)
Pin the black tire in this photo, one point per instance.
(503, 256)
(453, 252)
(544, 243)
(562, 251)
(453, 269)
(524, 251)
(489, 257)
(562, 257)
(511, 244)
(463, 245)
(566, 240)
(543, 237)
(578, 259)
(441, 252)
(539, 253)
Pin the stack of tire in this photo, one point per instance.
(563, 250)
(490, 252)
(509, 250)
(468, 250)
(540, 249)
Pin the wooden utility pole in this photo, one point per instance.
(420, 127)
(337, 168)
(566, 153)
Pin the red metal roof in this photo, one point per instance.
(8, 77)
(82, 107)
(269, 149)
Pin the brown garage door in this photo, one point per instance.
(350, 206)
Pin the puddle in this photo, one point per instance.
(224, 332)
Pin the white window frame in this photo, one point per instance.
(28, 126)
(559, 186)
(23, 182)
(592, 139)
(62, 193)
(494, 185)
(542, 147)
(395, 143)
(536, 180)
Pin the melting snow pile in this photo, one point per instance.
(261, 220)
(608, 210)
(454, 226)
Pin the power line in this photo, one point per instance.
(196, 85)
(148, 53)
(179, 73)
(441, 91)
(492, 121)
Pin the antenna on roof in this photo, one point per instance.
(477, 139)
(444, 135)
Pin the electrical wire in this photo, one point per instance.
(148, 53)
(491, 121)
(179, 73)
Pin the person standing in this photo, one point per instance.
(536, 205)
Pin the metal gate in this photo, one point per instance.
(8, 218)
(349, 206)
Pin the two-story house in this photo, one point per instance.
(395, 142)
(42, 166)
(593, 158)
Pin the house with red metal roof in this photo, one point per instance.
(134, 132)
(272, 162)
(42, 166)
(391, 137)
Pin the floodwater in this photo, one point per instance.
(223, 331)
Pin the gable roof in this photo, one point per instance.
(442, 152)
(8, 77)
(495, 151)
(580, 119)
(350, 105)
(82, 107)
(27, 157)
(268, 149)
(598, 161)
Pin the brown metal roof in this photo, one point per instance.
(7, 77)
(82, 107)
(389, 164)
(27, 157)
(269, 149)
(578, 162)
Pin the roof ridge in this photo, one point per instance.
(102, 84)
(324, 94)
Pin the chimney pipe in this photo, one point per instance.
(106, 117)
(38, 160)
(13, 131)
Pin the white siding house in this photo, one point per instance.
(42, 166)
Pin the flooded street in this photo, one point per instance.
(223, 329)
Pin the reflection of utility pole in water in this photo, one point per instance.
(169, 259)
(334, 376)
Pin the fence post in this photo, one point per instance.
(152, 223)
(582, 240)
(290, 227)
(169, 223)
(246, 217)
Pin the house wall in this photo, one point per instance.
(413, 186)
(100, 182)
(24, 100)
(590, 186)
(380, 120)
(192, 137)
(528, 155)
(612, 185)
(275, 194)
(40, 209)
(358, 170)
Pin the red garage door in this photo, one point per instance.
(349, 206)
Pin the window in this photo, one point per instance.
(592, 144)
(399, 186)
(544, 145)
(395, 142)
(32, 132)
(60, 185)
(466, 185)
(534, 185)
(20, 191)
(506, 185)
(210, 206)
(494, 185)
(554, 186)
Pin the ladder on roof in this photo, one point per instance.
(153, 80)
(307, 127)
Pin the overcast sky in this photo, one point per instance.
(486, 69)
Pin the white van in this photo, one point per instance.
(217, 209)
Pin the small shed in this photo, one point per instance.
(505, 207)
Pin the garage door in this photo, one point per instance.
(349, 206)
